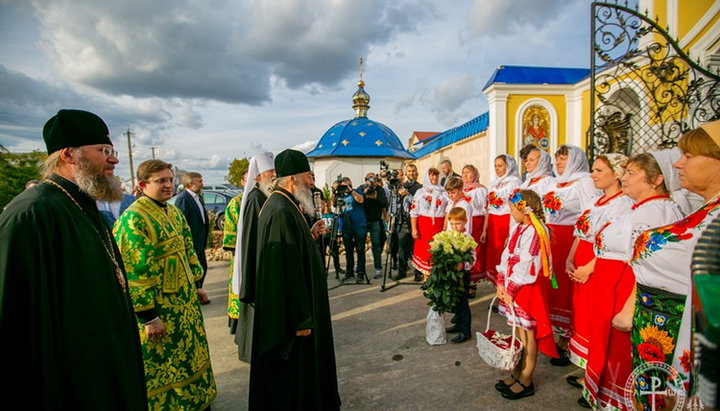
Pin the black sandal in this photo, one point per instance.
(502, 386)
(527, 391)
(573, 381)
(583, 402)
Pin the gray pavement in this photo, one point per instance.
(383, 361)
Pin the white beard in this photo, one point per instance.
(266, 187)
(305, 197)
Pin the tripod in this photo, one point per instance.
(394, 210)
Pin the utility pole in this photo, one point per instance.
(129, 134)
(153, 152)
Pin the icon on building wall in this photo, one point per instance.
(536, 126)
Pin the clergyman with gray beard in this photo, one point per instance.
(65, 311)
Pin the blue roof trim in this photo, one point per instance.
(537, 75)
(359, 137)
(459, 133)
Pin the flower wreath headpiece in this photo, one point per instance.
(545, 256)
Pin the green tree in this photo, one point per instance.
(15, 170)
(236, 170)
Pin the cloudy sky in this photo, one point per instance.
(207, 81)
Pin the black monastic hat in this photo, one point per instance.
(74, 128)
(291, 162)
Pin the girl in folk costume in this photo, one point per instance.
(427, 218)
(539, 177)
(526, 257)
(497, 224)
(563, 205)
(607, 170)
(661, 316)
(609, 362)
(476, 195)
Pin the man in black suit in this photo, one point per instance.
(191, 203)
(447, 172)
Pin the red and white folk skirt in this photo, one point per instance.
(498, 232)
(582, 307)
(427, 228)
(560, 299)
(477, 272)
(609, 361)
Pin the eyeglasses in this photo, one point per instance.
(162, 181)
(109, 152)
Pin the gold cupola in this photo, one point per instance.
(361, 99)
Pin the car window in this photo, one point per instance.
(210, 198)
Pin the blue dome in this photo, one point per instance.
(359, 137)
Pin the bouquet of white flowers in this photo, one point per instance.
(450, 250)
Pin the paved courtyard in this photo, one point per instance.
(383, 360)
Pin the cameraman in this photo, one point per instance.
(375, 203)
(354, 226)
(404, 236)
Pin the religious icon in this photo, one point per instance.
(536, 124)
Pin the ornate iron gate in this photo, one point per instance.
(645, 91)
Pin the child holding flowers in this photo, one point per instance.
(526, 257)
(453, 253)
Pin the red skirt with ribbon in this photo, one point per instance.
(561, 240)
(421, 247)
(582, 307)
(609, 361)
(477, 272)
(498, 232)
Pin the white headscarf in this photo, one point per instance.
(436, 190)
(258, 165)
(666, 159)
(544, 166)
(577, 166)
(511, 170)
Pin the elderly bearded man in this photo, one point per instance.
(261, 174)
(293, 357)
(162, 266)
(66, 319)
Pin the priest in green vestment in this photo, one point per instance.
(261, 174)
(293, 355)
(68, 334)
(162, 269)
(232, 212)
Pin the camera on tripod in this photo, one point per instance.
(340, 190)
(391, 175)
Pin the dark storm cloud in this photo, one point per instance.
(221, 50)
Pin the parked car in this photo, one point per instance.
(221, 187)
(215, 201)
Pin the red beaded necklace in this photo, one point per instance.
(602, 200)
(657, 197)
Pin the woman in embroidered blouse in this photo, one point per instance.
(563, 205)
(539, 177)
(608, 363)
(476, 194)
(661, 316)
(497, 224)
(427, 218)
(607, 170)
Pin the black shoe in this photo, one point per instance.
(583, 402)
(495, 309)
(460, 338)
(360, 277)
(563, 361)
(399, 277)
(501, 386)
(573, 381)
(452, 330)
(348, 276)
(394, 265)
(526, 392)
(339, 271)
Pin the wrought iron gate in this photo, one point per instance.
(645, 91)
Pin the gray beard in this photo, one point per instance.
(266, 187)
(305, 197)
(97, 185)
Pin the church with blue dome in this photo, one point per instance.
(354, 147)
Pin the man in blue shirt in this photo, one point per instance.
(354, 230)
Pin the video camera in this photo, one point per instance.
(391, 175)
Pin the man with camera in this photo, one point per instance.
(354, 226)
(375, 203)
(404, 236)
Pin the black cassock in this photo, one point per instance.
(69, 334)
(243, 335)
(287, 371)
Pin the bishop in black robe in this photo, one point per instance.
(289, 371)
(69, 334)
(243, 336)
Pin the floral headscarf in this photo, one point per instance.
(617, 163)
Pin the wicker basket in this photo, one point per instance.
(496, 349)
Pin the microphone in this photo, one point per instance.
(317, 201)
